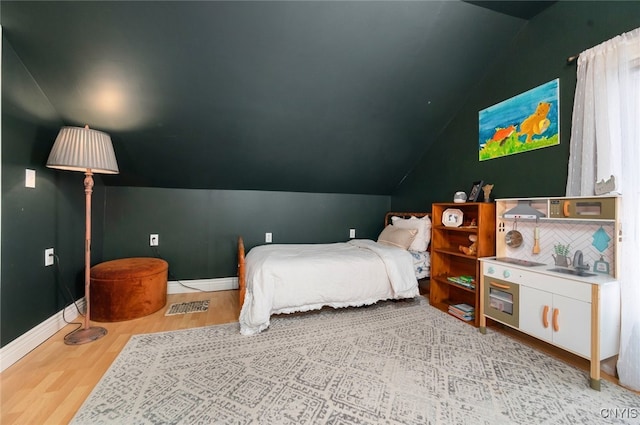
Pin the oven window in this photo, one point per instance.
(501, 301)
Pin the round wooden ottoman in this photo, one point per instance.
(128, 288)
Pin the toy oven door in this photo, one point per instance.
(501, 300)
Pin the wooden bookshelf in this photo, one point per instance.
(447, 260)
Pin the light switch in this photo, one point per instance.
(30, 178)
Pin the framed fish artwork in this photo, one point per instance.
(528, 121)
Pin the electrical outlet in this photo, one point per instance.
(153, 240)
(48, 257)
(268, 237)
(352, 233)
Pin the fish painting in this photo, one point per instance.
(503, 134)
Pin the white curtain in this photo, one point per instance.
(605, 142)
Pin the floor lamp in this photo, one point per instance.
(89, 151)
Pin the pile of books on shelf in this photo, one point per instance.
(466, 281)
(462, 311)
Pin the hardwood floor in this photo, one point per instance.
(50, 384)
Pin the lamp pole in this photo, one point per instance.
(86, 333)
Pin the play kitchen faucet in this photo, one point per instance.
(578, 261)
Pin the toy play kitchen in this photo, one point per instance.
(554, 274)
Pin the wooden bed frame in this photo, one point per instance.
(242, 284)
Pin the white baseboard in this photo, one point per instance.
(198, 285)
(21, 346)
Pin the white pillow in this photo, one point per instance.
(395, 236)
(422, 225)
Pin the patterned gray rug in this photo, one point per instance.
(391, 363)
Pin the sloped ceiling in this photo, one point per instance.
(337, 97)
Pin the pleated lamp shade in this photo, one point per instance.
(82, 149)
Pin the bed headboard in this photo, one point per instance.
(387, 217)
(242, 287)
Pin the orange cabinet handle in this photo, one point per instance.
(499, 285)
(565, 208)
(556, 327)
(545, 316)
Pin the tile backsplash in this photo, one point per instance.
(577, 234)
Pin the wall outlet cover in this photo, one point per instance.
(49, 257)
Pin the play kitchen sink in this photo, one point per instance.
(572, 272)
(579, 268)
(527, 263)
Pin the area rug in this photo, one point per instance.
(391, 363)
(189, 307)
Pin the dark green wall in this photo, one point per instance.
(538, 55)
(198, 229)
(49, 216)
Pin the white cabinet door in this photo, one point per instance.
(573, 319)
(535, 313)
(562, 321)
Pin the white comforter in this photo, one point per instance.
(292, 278)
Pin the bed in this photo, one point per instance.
(289, 278)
